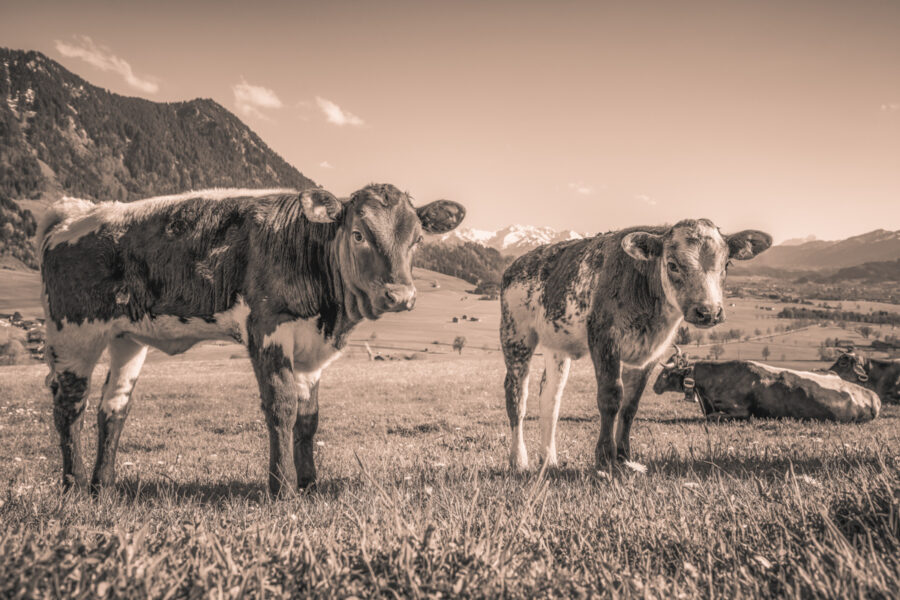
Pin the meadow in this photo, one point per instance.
(414, 496)
(415, 499)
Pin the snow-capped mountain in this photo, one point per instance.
(514, 240)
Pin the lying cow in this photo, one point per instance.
(880, 376)
(740, 389)
(619, 296)
(287, 274)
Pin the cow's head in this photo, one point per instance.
(692, 258)
(851, 366)
(378, 229)
(671, 378)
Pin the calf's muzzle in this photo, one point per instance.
(398, 297)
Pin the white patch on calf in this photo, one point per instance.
(282, 337)
(713, 286)
(126, 358)
(302, 341)
(78, 346)
(312, 352)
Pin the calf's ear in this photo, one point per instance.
(320, 206)
(441, 216)
(747, 244)
(641, 245)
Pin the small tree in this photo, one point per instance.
(683, 337)
(766, 352)
(717, 351)
(701, 338)
(865, 331)
(459, 343)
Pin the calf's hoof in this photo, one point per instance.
(605, 456)
(518, 463)
(74, 481)
(550, 461)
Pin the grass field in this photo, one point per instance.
(415, 500)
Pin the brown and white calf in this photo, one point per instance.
(739, 389)
(619, 297)
(287, 274)
(879, 375)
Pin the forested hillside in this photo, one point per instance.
(469, 261)
(61, 135)
(17, 227)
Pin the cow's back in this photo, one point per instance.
(184, 257)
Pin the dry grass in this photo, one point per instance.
(415, 500)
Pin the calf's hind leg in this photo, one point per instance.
(517, 352)
(126, 357)
(69, 382)
(556, 372)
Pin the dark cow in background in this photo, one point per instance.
(287, 274)
(739, 389)
(879, 375)
(619, 296)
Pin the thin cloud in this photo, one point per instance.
(102, 57)
(336, 115)
(581, 188)
(645, 199)
(251, 99)
(891, 107)
(326, 165)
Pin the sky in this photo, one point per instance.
(781, 116)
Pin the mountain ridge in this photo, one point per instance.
(806, 254)
(59, 134)
(512, 240)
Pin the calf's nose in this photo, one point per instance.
(400, 297)
(706, 314)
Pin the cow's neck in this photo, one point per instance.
(304, 258)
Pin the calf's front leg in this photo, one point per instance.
(278, 389)
(305, 430)
(610, 391)
(634, 382)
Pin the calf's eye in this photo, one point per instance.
(673, 267)
(357, 237)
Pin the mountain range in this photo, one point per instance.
(795, 255)
(874, 246)
(512, 240)
(61, 135)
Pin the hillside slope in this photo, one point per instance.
(875, 246)
(61, 135)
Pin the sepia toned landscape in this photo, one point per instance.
(504, 133)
